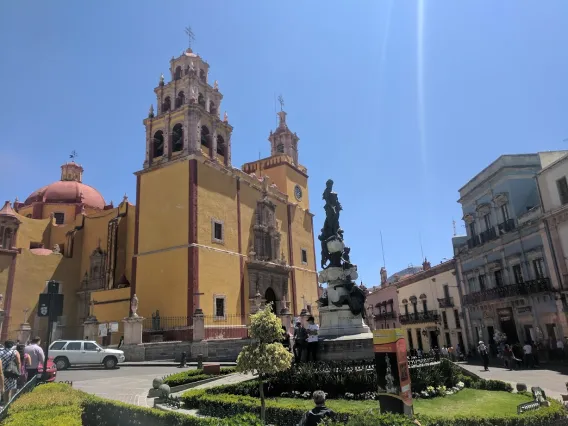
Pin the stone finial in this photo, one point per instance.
(125, 198)
(134, 306)
(216, 85)
(151, 111)
(225, 117)
(161, 79)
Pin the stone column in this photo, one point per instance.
(198, 326)
(91, 328)
(133, 327)
(24, 333)
(286, 318)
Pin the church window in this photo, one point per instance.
(202, 75)
(7, 240)
(59, 218)
(166, 106)
(177, 138)
(212, 108)
(220, 145)
(205, 137)
(304, 256)
(177, 74)
(220, 312)
(158, 144)
(280, 148)
(201, 100)
(217, 231)
(180, 100)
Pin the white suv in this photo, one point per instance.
(77, 352)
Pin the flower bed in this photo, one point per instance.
(59, 405)
(191, 376)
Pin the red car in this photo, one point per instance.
(51, 370)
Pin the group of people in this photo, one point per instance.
(18, 364)
(513, 357)
(305, 340)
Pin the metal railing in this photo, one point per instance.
(506, 226)
(225, 327)
(540, 285)
(473, 242)
(446, 302)
(419, 317)
(488, 235)
(28, 387)
(385, 316)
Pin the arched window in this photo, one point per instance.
(180, 100)
(177, 138)
(158, 144)
(201, 100)
(202, 75)
(166, 106)
(187, 70)
(205, 137)
(177, 74)
(7, 241)
(212, 107)
(280, 148)
(220, 145)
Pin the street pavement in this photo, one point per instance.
(551, 381)
(125, 384)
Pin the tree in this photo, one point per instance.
(264, 357)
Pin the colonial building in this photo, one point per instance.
(382, 305)
(203, 235)
(502, 268)
(553, 188)
(429, 306)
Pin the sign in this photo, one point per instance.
(528, 406)
(505, 314)
(524, 310)
(103, 330)
(538, 394)
(113, 327)
(393, 377)
(50, 305)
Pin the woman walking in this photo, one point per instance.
(10, 365)
(25, 363)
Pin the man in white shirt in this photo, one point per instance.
(527, 349)
(312, 339)
(36, 355)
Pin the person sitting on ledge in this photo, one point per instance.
(317, 414)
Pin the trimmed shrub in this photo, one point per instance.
(191, 376)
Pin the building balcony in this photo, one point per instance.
(541, 285)
(506, 226)
(419, 317)
(488, 235)
(473, 242)
(383, 316)
(446, 302)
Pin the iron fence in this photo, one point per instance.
(28, 387)
(541, 285)
(419, 317)
(167, 329)
(226, 327)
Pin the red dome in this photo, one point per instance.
(68, 192)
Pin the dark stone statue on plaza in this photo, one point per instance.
(338, 272)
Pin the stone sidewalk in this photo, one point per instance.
(552, 382)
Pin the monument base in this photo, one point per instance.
(346, 348)
(336, 322)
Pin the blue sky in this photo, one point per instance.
(401, 102)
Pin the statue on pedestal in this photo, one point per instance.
(338, 272)
(134, 306)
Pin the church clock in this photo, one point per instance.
(298, 192)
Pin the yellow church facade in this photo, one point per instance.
(202, 236)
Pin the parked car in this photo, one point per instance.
(81, 352)
(51, 370)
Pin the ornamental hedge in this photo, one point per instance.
(59, 405)
(191, 376)
(284, 412)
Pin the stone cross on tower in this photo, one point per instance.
(190, 36)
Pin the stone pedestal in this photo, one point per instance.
(335, 322)
(133, 330)
(286, 318)
(198, 326)
(24, 333)
(91, 329)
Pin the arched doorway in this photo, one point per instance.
(270, 297)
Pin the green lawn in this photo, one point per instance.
(471, 402)
(466, 402)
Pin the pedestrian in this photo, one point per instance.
(317, 414)
(536, 361)
(482, 349)
(300, 336)
(508, 357)
(285, 338)
(120, 342)
(528, 355)
(37, 357)
(11, 366)
(312, 340)
(25, 362)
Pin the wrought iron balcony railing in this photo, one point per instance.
(473, 242)
(488, 235)
(540, 285)
(385, 316)
(419, 317)
(446, 302)
(506, 226)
